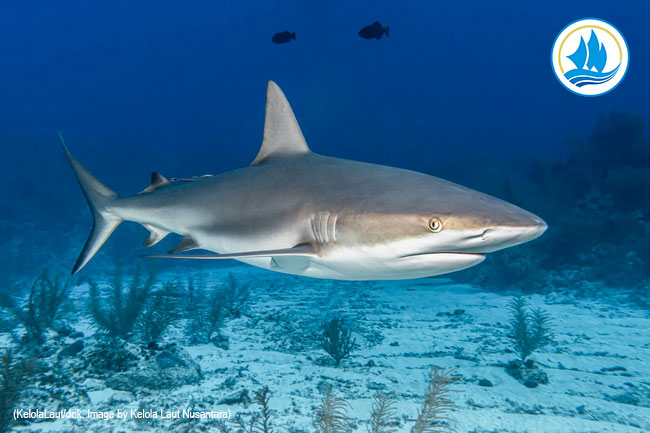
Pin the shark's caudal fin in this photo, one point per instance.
(99, 197)
(282, 135)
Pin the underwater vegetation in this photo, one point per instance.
(43, 304)
(116, 310)
(528, 330)
(432, 417)
(337, 339)
(15, 376)
(383, 415)
(330, 416)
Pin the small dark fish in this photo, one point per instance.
(374, 30)
(283, 37)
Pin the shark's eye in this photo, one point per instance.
(435, 225)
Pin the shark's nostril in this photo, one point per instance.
(484, 235)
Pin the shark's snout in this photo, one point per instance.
(496, 237)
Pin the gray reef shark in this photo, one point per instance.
(298, 212)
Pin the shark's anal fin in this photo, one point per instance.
(306, 250)
(157, 181)
(155, 235)
(186, 244)
(282, 134)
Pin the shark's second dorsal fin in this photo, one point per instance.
(157, 181)
(282, 135)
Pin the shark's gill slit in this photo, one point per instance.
(325, 227)
(333, 219)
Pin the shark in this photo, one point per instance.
(298, 212)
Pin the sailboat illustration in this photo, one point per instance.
(590, 59)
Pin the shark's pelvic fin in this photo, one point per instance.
(282, 135)
(99, 198)
(298, 250)
(186, 244)
(157, 181)
(155, 235)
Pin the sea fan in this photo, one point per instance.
(527, 331)
(337, 339)
(432, 416)
(124, 308)
(383, 416)
(162, 310)
(330, 416)
(14, 378)
(43, 305)
(262, 397)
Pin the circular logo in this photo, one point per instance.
(590, 57)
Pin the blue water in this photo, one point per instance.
(464, 91)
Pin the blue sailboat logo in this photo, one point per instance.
(590, 60)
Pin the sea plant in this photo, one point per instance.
(527, 330)
(235, 296)
(14, 379)
(257, 422)
(124, 305)
(432, 417)
(206, 318)
(330, 416)
(42, 306)
(383, 417)
(262, 397)
(162, 309)
(336, 339)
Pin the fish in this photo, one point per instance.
(283, 37)
(298, 212)
(374, 30)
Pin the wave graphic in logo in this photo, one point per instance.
(590, 57)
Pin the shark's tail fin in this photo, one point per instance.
(386, 30)
(99, 198)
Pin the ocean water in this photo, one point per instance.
(464, 92)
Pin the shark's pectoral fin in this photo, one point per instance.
(294, 264)
(186, 244)
(282, 134)
(157, 181)
(304, 250)
(155, 235)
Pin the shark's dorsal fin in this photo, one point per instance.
(157, 181)
(282, 134)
